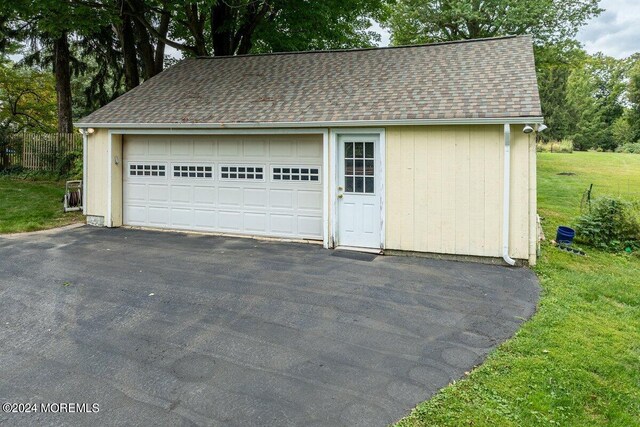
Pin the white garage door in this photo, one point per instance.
(255, 185)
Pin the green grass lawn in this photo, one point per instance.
(577, 361)
(28, 205)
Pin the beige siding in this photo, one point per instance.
(98, 176)
(97, 152)
(445, 185)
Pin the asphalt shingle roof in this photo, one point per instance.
(489, 78)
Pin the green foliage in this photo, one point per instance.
(554, 65)
(27, 100)
(210, 27)
(610, 224)
(70, 165)
(549, 21)
(328, 24)
(633, 94)
(40, 19)
(14, 170)
(100, 79)
(631, 148)
(22, 173)
(564, 146)
(594, 93)
(622, 129)
(117, 44)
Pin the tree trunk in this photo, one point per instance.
(163, 29)
(146, 50)
(195, 24)
(143, 40)
(62, 71)
(221, 24)
(127, 41)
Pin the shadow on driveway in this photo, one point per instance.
(168, 328)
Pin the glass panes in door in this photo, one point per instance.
(359, 167)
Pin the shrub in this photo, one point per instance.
(611, 224)
(12, 170)
(633, 148)
(69, 165)
(564, 146)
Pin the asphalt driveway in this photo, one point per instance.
(166, 328)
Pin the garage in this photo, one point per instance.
(416, 149)
(263, 185)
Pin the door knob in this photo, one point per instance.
(340, 196)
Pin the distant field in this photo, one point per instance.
(610, 173)
(577, 361)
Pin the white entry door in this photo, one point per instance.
(359, 191)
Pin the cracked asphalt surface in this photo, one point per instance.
(239, 331)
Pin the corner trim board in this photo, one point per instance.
(109, 219)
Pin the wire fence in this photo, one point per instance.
(38, 151)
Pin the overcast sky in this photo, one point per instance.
(616, 32)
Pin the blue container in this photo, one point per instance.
(565, 235)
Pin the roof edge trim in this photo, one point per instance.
(347, 123)
(361, 49)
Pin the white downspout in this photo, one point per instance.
(85, 144)
(506, 196)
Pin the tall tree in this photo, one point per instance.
(554, 65)
(49, 25)
(595, 92)
(109, 46)
(62, 71)
(101, 78)
(216, 27)
(633, 94)
(549, 21)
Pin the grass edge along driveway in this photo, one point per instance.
(577, 361)
(30, 205)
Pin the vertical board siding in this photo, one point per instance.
(447, 217)
(455, 174)
(477, 193)
(392, 196)
(97, 158)
(432, 150)
(462, 192)
(421, 189)
(407, 168)
(493, 188)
